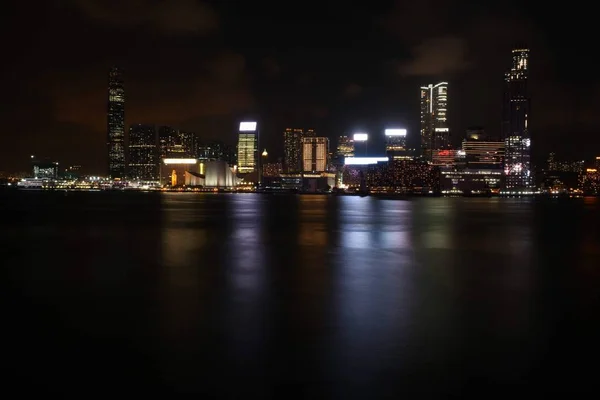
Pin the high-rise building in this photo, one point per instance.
(143, 161)
(345, 147)
(247, 148)
(189, 142)
(176, 144)
(597, 163)
(310, 133)
(314, 154)
(292, 149)
(435, 132)
(395, 142)
(515, 130)
(481, 152)
(115, 142)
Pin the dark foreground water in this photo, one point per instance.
(298, 296)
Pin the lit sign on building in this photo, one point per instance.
(441, 129)
(361, 137)
(364, 160)
(247, 126)
(395, 132)
(171, 161)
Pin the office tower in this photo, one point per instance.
(310, 133)
(597, 165)
(515, 131)
(247, 148)
(176, 144)
(361, 143)
(143, 162)
(345, 147)
(395, 142)
(292, 150)
(481, 152)
(272, 169)
(189, 143)
(435, 133)
(116, 124)
(314, 154)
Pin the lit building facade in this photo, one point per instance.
(272, 169)
(173, 143)
(314, 154)
(143, 160)
(247, 148)
(44, 168)
(116, 124)
(482, 153)
(447, 158)
(591, 182)
(515, 129)
(395, 141)
(403, 176)
(435, 132)
(292, 150)
(345, 147)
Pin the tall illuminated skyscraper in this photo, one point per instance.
(515, 130)
(292, 150)
(435, 133)
(314, 154)
(115, 142)
(143, 162)
(247, 148)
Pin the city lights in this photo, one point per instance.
(179, 161)
(247, 126)
(395, 132)
(361, 137)
(364, 160)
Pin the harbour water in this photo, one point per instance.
(232, 295)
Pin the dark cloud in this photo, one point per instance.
(168, 16)
(437, 56)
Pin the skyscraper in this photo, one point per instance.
(173, 143)
(247, 148)
(143, 161)
(314, 154)
(116, 124)
(515, 130)
(292, 150)
(395, 142)
(435, 133)
(345, 147)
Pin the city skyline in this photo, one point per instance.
(58, 110)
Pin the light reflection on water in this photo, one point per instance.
(319, 295)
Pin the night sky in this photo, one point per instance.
(336, 67)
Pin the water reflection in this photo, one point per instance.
(373, 290)
(316, 296)
(313, 216)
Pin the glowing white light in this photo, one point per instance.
(169, 161)
(441, 129)
(364, 160)
(395, 132)
(361, 137)
(247, 126)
